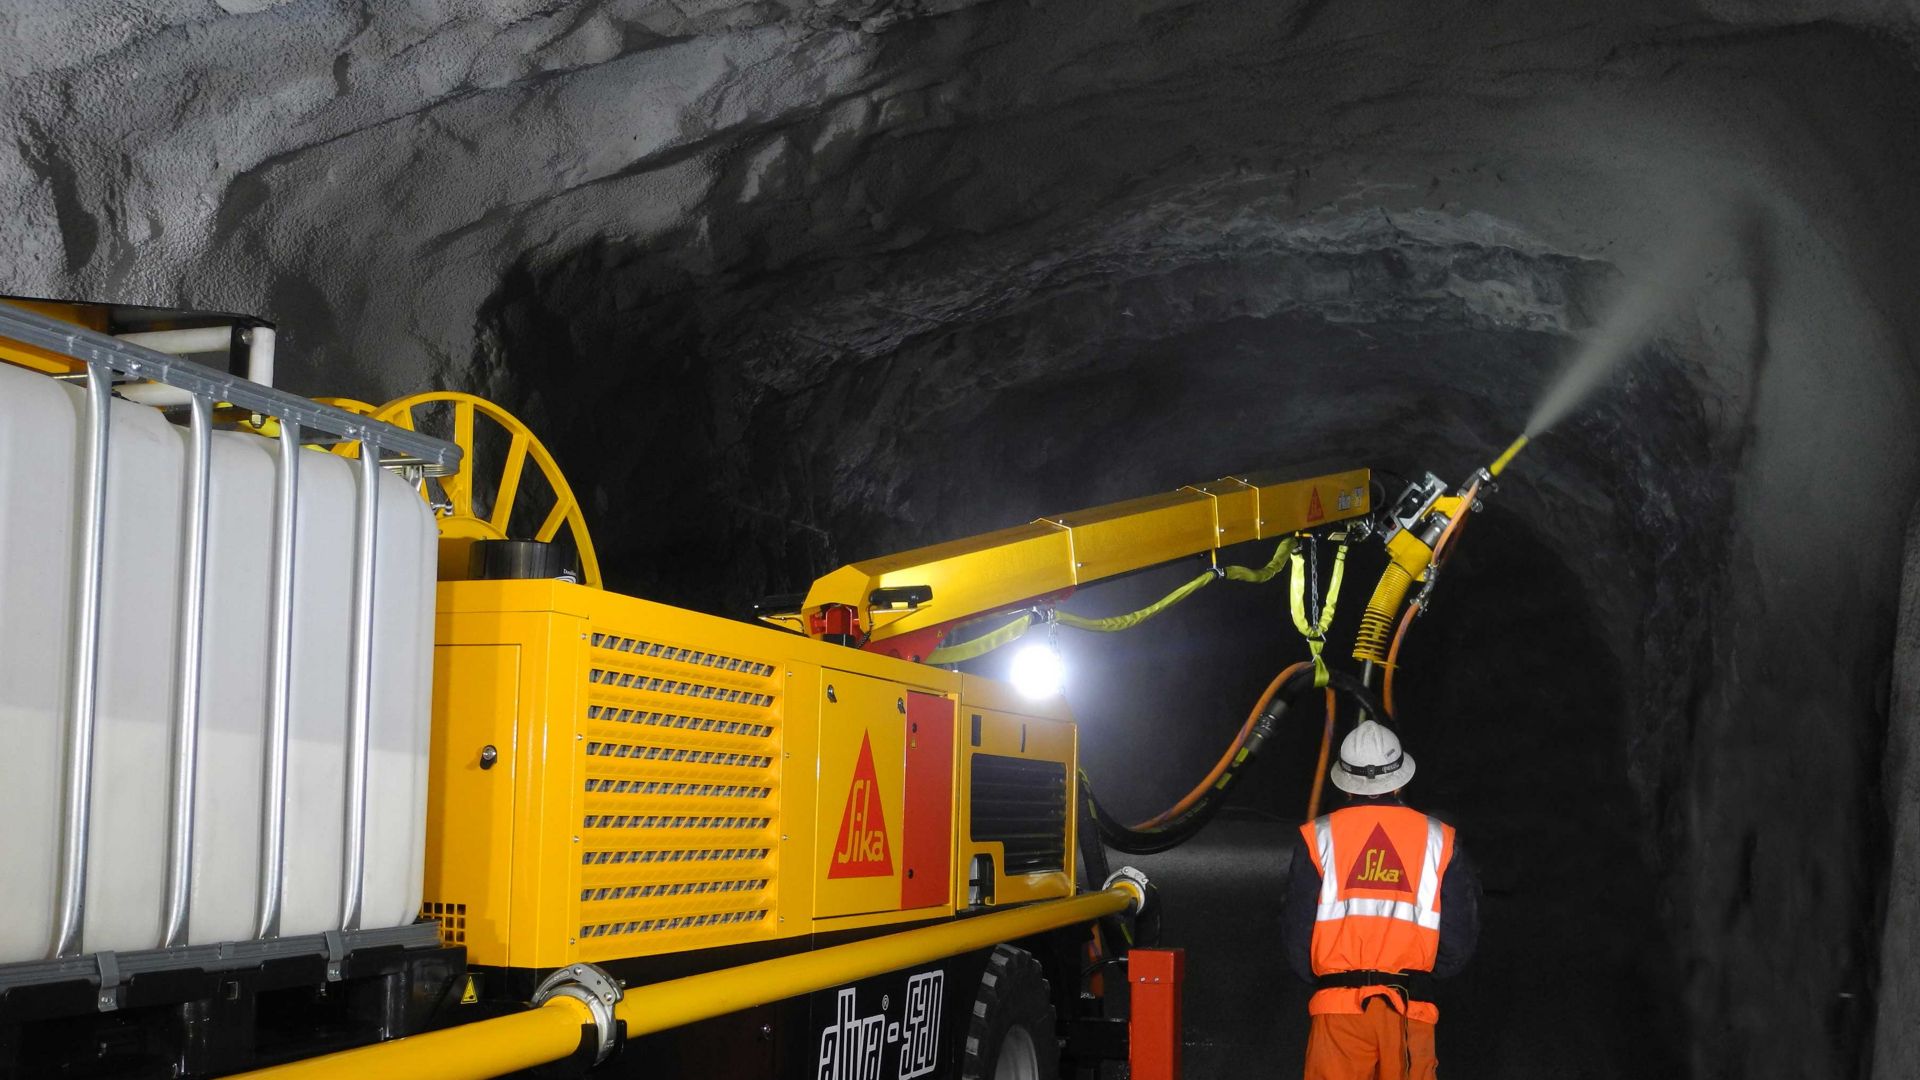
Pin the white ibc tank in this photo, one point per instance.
(41, 425)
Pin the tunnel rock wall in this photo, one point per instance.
(1896, 1049)
(857, 275)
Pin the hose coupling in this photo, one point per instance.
(1269, 721)
(1423, 600)
(1133, 881)
(594, 988)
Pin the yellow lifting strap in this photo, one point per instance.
(982, 645)
(1007, 634)
(1316, 634)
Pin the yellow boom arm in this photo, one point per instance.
(961, 579)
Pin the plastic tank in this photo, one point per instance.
(41, 424)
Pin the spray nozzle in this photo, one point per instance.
(1506, 458)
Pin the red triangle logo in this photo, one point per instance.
(861, 850)
(1379, 867)
(1314, 510)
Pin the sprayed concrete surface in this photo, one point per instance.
(788, 284)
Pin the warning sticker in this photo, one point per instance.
(861, 850)
(471, 995)
(1315, 511)
(1379, 867)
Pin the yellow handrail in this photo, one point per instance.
(473, 1051)
(489, 1048)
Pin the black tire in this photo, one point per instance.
(1011, 1034)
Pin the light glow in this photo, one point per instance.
(1038, 671)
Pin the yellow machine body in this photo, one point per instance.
(661, 780)
(997, 570)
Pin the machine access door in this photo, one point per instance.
(884, 816)
(926, 844)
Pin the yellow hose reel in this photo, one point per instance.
(460, 524)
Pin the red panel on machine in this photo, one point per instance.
(1153, 1037)
(926, 832)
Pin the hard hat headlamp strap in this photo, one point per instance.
(1371, 772)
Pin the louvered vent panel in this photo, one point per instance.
(1022, 803)
(682, 765)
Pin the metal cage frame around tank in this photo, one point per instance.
(301, 421)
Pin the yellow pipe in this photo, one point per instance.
(660, 1006)
(474, 1051)
(1500, 463)
(491, 1047)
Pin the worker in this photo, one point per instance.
(1380, 899)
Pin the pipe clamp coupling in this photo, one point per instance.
(1133, 881)
(594, 988)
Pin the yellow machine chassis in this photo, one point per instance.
(662, 780)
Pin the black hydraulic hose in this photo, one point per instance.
(1116, 931)
(1093, 854)
(1188, 824)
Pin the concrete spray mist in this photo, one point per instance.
(1634, 317)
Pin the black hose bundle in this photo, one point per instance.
(1189, 823)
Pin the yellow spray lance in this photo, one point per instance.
(1506, 457)
(1417, 529)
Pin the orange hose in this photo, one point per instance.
(1226, 759)
(1466, 507)
(1393, 658)
(1326, 753)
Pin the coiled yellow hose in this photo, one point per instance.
(1383, 610)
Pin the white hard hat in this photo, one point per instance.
(1371, 762)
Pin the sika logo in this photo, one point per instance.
(861, 850)
(1379, 867)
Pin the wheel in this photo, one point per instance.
(460, 520)
(1010, 1035)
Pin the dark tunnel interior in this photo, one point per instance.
(785, 286)
(1538, 733)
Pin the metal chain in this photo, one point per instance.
(1313, 580)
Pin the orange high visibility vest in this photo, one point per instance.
(1380, 873)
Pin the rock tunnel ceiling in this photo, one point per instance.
(787, 285)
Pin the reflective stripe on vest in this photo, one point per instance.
(1421, 912)
(1323, 835)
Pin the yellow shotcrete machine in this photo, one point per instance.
(329, 755)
